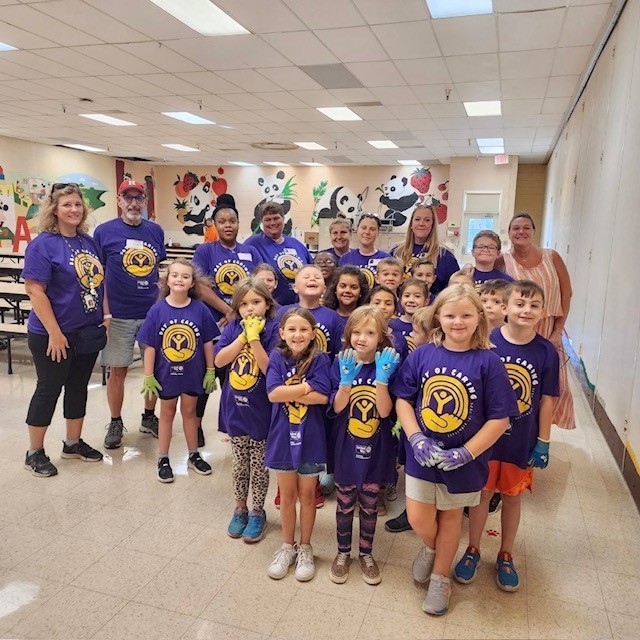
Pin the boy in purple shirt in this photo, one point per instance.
(485, 252)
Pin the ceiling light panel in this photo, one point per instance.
(240, 163)
(410, 163)
(7, 47)
(483, 108)
(202, 16)
(491, 150)
(84, 147)
(180, 147)
(490, 142)
(339, 113)
(276, 164)
(383, 144)
(100, 117)
(311, 146)
(312, 164)
(457, 8)
(187, 117)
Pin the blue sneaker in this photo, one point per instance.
(327, 484)
(507, 576)
(254, 531)
(465, 570)
(238, 523)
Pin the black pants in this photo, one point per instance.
(73, 374)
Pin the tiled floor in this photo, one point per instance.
(105, 551)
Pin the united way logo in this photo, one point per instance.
(88, 269)
(228, 275)
(289, 265)
(445, 402)
(296, 411)
(244, 372)
(523, 379)
(364, 419)
(369, 276)
(139, 262)
(179, 342)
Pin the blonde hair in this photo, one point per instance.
(454, 293)
(308, 266)
(462, 274)
(265, 266)
(199, 280)
(431, 247)
(306, 358)
(363, 316)
(47, 214)
(259, 287)
(422, 318)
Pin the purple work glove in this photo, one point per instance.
(425, 450)
(450, 459)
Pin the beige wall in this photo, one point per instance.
(530, 192)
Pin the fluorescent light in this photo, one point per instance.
(180, 147)
(99, 117)
(239, 163)
(410, 163)
(313, 164)
(339, 113)
(383, 144)
(276, 164)
(457, 8)
(84, 147)
(202, 16)
(187, 117)
(490, 142)
(7, 47)
(492, 151)
(311, 146)
(483, 108)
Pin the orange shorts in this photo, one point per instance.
(508, 479)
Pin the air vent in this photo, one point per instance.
(332, 76)
(275, 146)
(373, 103)
(339, 159)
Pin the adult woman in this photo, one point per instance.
(525, 261)
(64, 280)
(366, 256)
(340, 235)
(421, 241)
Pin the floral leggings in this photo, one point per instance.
(367, 497)
(248, 466)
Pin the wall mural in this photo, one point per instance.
(196, 199)
(276, 189)
(336, 202)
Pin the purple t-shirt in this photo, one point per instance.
(454, 395)
(533, 370)
(287, 258)
(69, 267)
(494, 274)
(329, 327)
(365, 449)
(178, 335)
(131, 255)
(400, 326)
(368, 264)
(225, 267)
(446, 266)
(400, 343)
(333, 252)
(244, 394)
(297, 431)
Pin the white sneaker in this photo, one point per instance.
(283, 558)
(423, 564)
(305, 569)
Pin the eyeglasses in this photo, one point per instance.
(325, 263)
(56, 186)
(128, 198)
(485, 247)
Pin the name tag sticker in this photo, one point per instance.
(245, 256)
(133, 244)
(291, 252)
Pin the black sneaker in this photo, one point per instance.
(198, 464)
(149, 424)
(39, 464)
(200, 437)
(113, 439)
(81, 450)
(165, 472)
(399, 524)
(496, 503)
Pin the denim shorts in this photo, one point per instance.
(122, 336)
(306, 469)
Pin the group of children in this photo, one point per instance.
(319, 385)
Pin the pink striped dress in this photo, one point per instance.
(546, 276)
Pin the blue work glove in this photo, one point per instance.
(539, 456)
(425, 450)
(450, 459)
(349, 367)
(387, 362)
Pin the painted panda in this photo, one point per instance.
(272, 188)
(342, 203)
(399, 198)
(200, 208)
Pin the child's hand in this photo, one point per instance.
(349, 367)
(396, 429)
(243, 336)
(209, 382)
(253, 326)
(450, 459)
(539, 456)
(387, 362)
(150, 386)
(425, 450)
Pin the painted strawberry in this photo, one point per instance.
(190, 181)
(440, 209)
(219, 185)
(421, 179)
(443, 186)
(445, 196)
(220, 171)
(179, 188)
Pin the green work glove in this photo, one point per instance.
(253, 326)
(209, 382)
(150, 386)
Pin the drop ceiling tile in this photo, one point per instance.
(521, 120)
(354, 44)
(419, 124)
(408, 40)
(373, 113)
(118, 59)
(409, 111)
(306, 115)
(376, 74)
(353, 95)
(395, 95)
(25, 90)
(471, 91)
(78, 61)
(18, 71)
(452, 123)
(436, 93)
(521, 133)
(562, 86)
(512, 6)
(526, 64)
(555, 105)
(570, 61)
(466, 35)
(210, 82)
(327, 14)
(318, 98)
(281, 99)
(521, 107)
(171, 83)
(424, 71)
(247, 79)
(161, 56)
(475, 68)
(457, 134)
(102, 86)
(582, 25)
(447, 110)
(209, 53)
(39, 63)
(524, 31)
(550, 119)
(487, 122)
(273, 115)
(262, 17)
(524, 88)
(246, 100)
(383, 11)
(301, 48)
(136, 86)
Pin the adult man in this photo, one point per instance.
(284, 253)
(131, 249)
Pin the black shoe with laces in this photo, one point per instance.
(149, 424)
(165, 472)
(39, 464)
(496, 503)
(198, 464)
(81, 450)
(200, 437)
(113, 439)
(399, 524)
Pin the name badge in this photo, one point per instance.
(291, 252)
(245, 256)
(133, 244)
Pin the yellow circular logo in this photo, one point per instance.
(228, 275)
(296, 411)
(521, 383)
(88, 269)
(368, 274)
(364, 419)
(179, 343)
(139, 261)
(411, 343)
(289, 265)
(244, 372)
(321, 340)
(445, 404)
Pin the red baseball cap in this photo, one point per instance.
(132, 185)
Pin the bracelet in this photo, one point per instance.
(107, 316)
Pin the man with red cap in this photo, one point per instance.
(131, 249)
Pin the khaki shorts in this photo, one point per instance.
(122, 337)
(437, 494)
